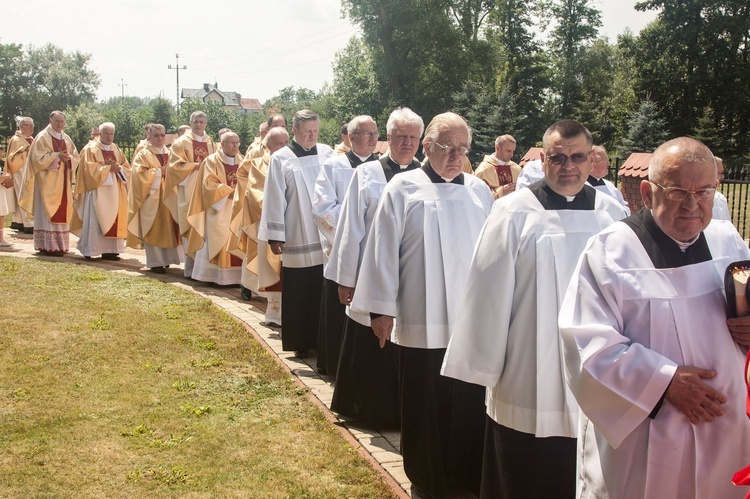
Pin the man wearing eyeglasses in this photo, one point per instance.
(414, 270)
(330, 188)
(647, 348)
(506, 336)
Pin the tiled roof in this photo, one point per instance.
(253, 104)
(382, 147)
(532, 154)
(636, 165)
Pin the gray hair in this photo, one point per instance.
(442, 123)
(303, 115)
(356, 122)
(23, 120)
(156, 126)
(502, 139)
(567, 129)
(107, 124)
(55, 113)
(687, 149)
(599, 150)
(404, 116)
(197, 114)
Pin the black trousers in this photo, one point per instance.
(300, 307)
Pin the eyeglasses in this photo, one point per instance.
(561, 159)
(680, 194)
(156, 135)
(449, 150)
(368, 135)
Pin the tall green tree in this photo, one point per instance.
(576, 26)
(13, 82)
(163, 113)
(646, 130)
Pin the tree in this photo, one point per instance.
(128, 127)
(13, 81)
(80, 120)
(355, 83)
(576, 26)
(163, 112)
(57, 80)
(646, 130)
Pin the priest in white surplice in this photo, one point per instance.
(330, 188)
(506, 336)
(597, 178)
(288, 227)
(366, 383)
(100, 219)
(413, 273)
(648, 353)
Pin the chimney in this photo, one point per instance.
(205, 87)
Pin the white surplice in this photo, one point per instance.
(611, 190)
(330, 187)
(721, 208)
(415, 263)
(287, 208)
(506, 337)
(626, 326)
(355, 218)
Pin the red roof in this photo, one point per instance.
(253, 104)
(533, 153)
(382, 147)
(636, 165)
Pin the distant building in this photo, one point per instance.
(230, 100)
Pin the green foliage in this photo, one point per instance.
(163, 113)
(646, 130)
(128, 125)
(13, 81)
(80, 120)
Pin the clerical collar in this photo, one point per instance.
(595, 181)
(300, 151)
(550, 200)
(57, 135)
(437, 179)
(665, 252)
(228, 159)
(104, 146)
(159, 150)
(356, 160)
(199, 138)
(500, 161)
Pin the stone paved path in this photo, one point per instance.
(381, 448)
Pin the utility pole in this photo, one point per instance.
(177, 68)
(123, 85)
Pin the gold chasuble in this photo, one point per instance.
(149, 219)
(209, 223)
(111, 192)
(239, 230)
(44, 171)
(17, 151)
(185, 156)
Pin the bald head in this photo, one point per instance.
(685, 151)
(276, 138)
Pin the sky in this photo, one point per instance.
(246, 46)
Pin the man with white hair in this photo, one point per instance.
(100, 219)
(366, 382)
(648, 351)
(288, 227)
(149, 221)
(185, 156)
(412, 276)
(15, 159)
(261, 269)
(47, 191)
(597, 178)
(499, 170)
(209, 214)
(330, 188)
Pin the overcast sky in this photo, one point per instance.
(251, 47)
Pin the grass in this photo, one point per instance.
(116, 386)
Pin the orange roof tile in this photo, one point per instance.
(636, 165)
(532, 154)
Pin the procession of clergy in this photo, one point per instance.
(527, 342)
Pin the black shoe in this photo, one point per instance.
(16, 226)
(301, 354)
(28, 230)
(245, 293)
(110, 256)
(87, 257)
(158, 270)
